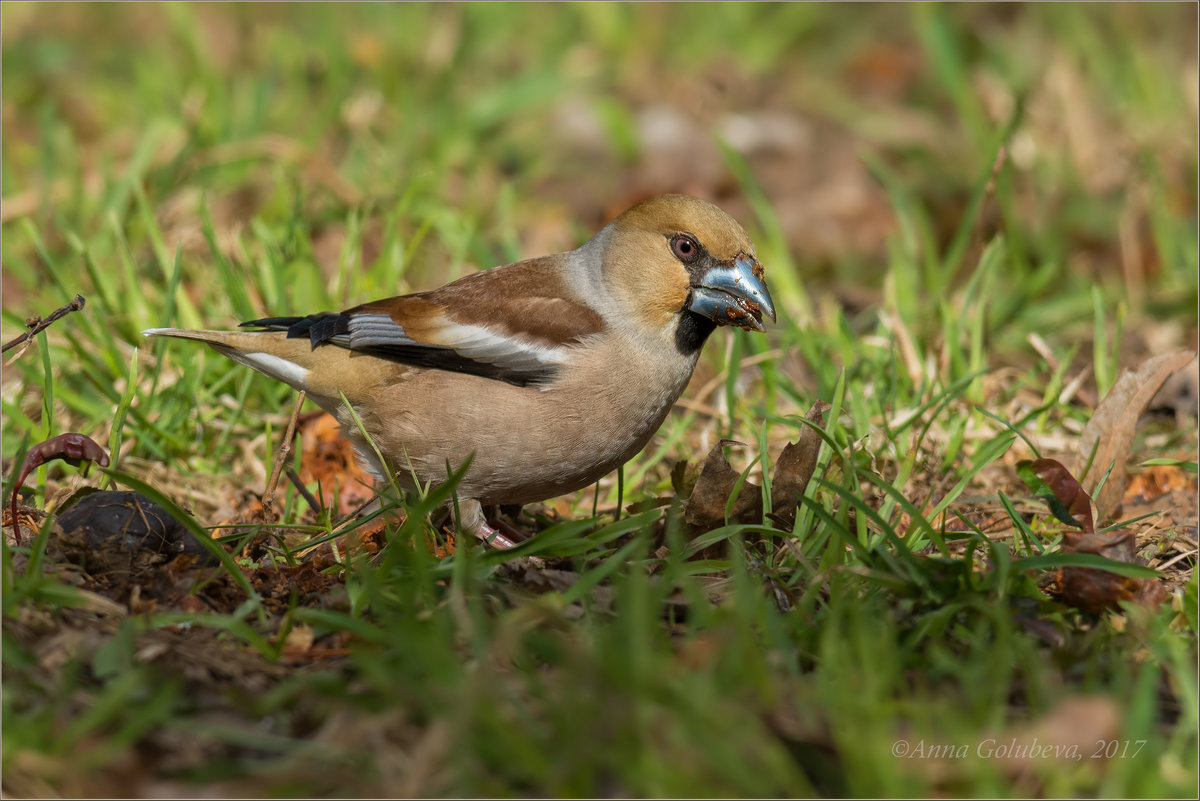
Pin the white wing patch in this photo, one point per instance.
(473, 342)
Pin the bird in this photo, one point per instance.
(545, 374)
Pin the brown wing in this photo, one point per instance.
(516, 323)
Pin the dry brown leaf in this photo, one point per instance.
(706, 507)
(1066, 499)
(1180, 392)
(1095, 590)
(795, 466)
(1086, 588)
(1111, 430)
(1156, 481)
(328, 457)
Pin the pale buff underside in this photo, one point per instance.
(529, 444)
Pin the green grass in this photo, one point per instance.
(244, 160)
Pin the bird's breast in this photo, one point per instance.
(527, 444)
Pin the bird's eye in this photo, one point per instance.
(685, 248)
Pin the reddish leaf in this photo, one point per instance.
(1088, 588)
(1055, 485)
(74, 449)
(1097, 590)
(1156, 481)
(328, 458)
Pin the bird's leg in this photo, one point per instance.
(473, 522)
(499, 517)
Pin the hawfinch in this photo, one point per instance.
(548, 373)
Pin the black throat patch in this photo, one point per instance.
(692, 332)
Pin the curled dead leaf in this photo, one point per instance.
(74, 449)
(1055, 485)
(795, 466)
(705, 509)
(1111, 430)
(1095, 590)
(1091, 589)
(708, 494)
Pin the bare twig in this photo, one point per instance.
(1043, 349)
(285, 449)
(1177, 558)
(37, 324)
(312, 502)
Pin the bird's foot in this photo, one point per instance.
(502, 537)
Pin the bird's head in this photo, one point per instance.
(680, 262)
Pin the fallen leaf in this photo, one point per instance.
(1059, 490)
(1095, 590)
(1088, 588)
(705, 508)
(328, 458)
(795, 465)
(74, 449)
(1155, 481)
(1111, 430)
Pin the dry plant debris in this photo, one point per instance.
(1088, 588)
(1107, 438)
(709, 498)
(327, 459)
(75, 449)
(107, 531)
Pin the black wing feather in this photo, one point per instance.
(324, 327)
(316, 328)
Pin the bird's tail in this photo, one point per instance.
(270, 353)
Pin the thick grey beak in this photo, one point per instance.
(734, 295)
